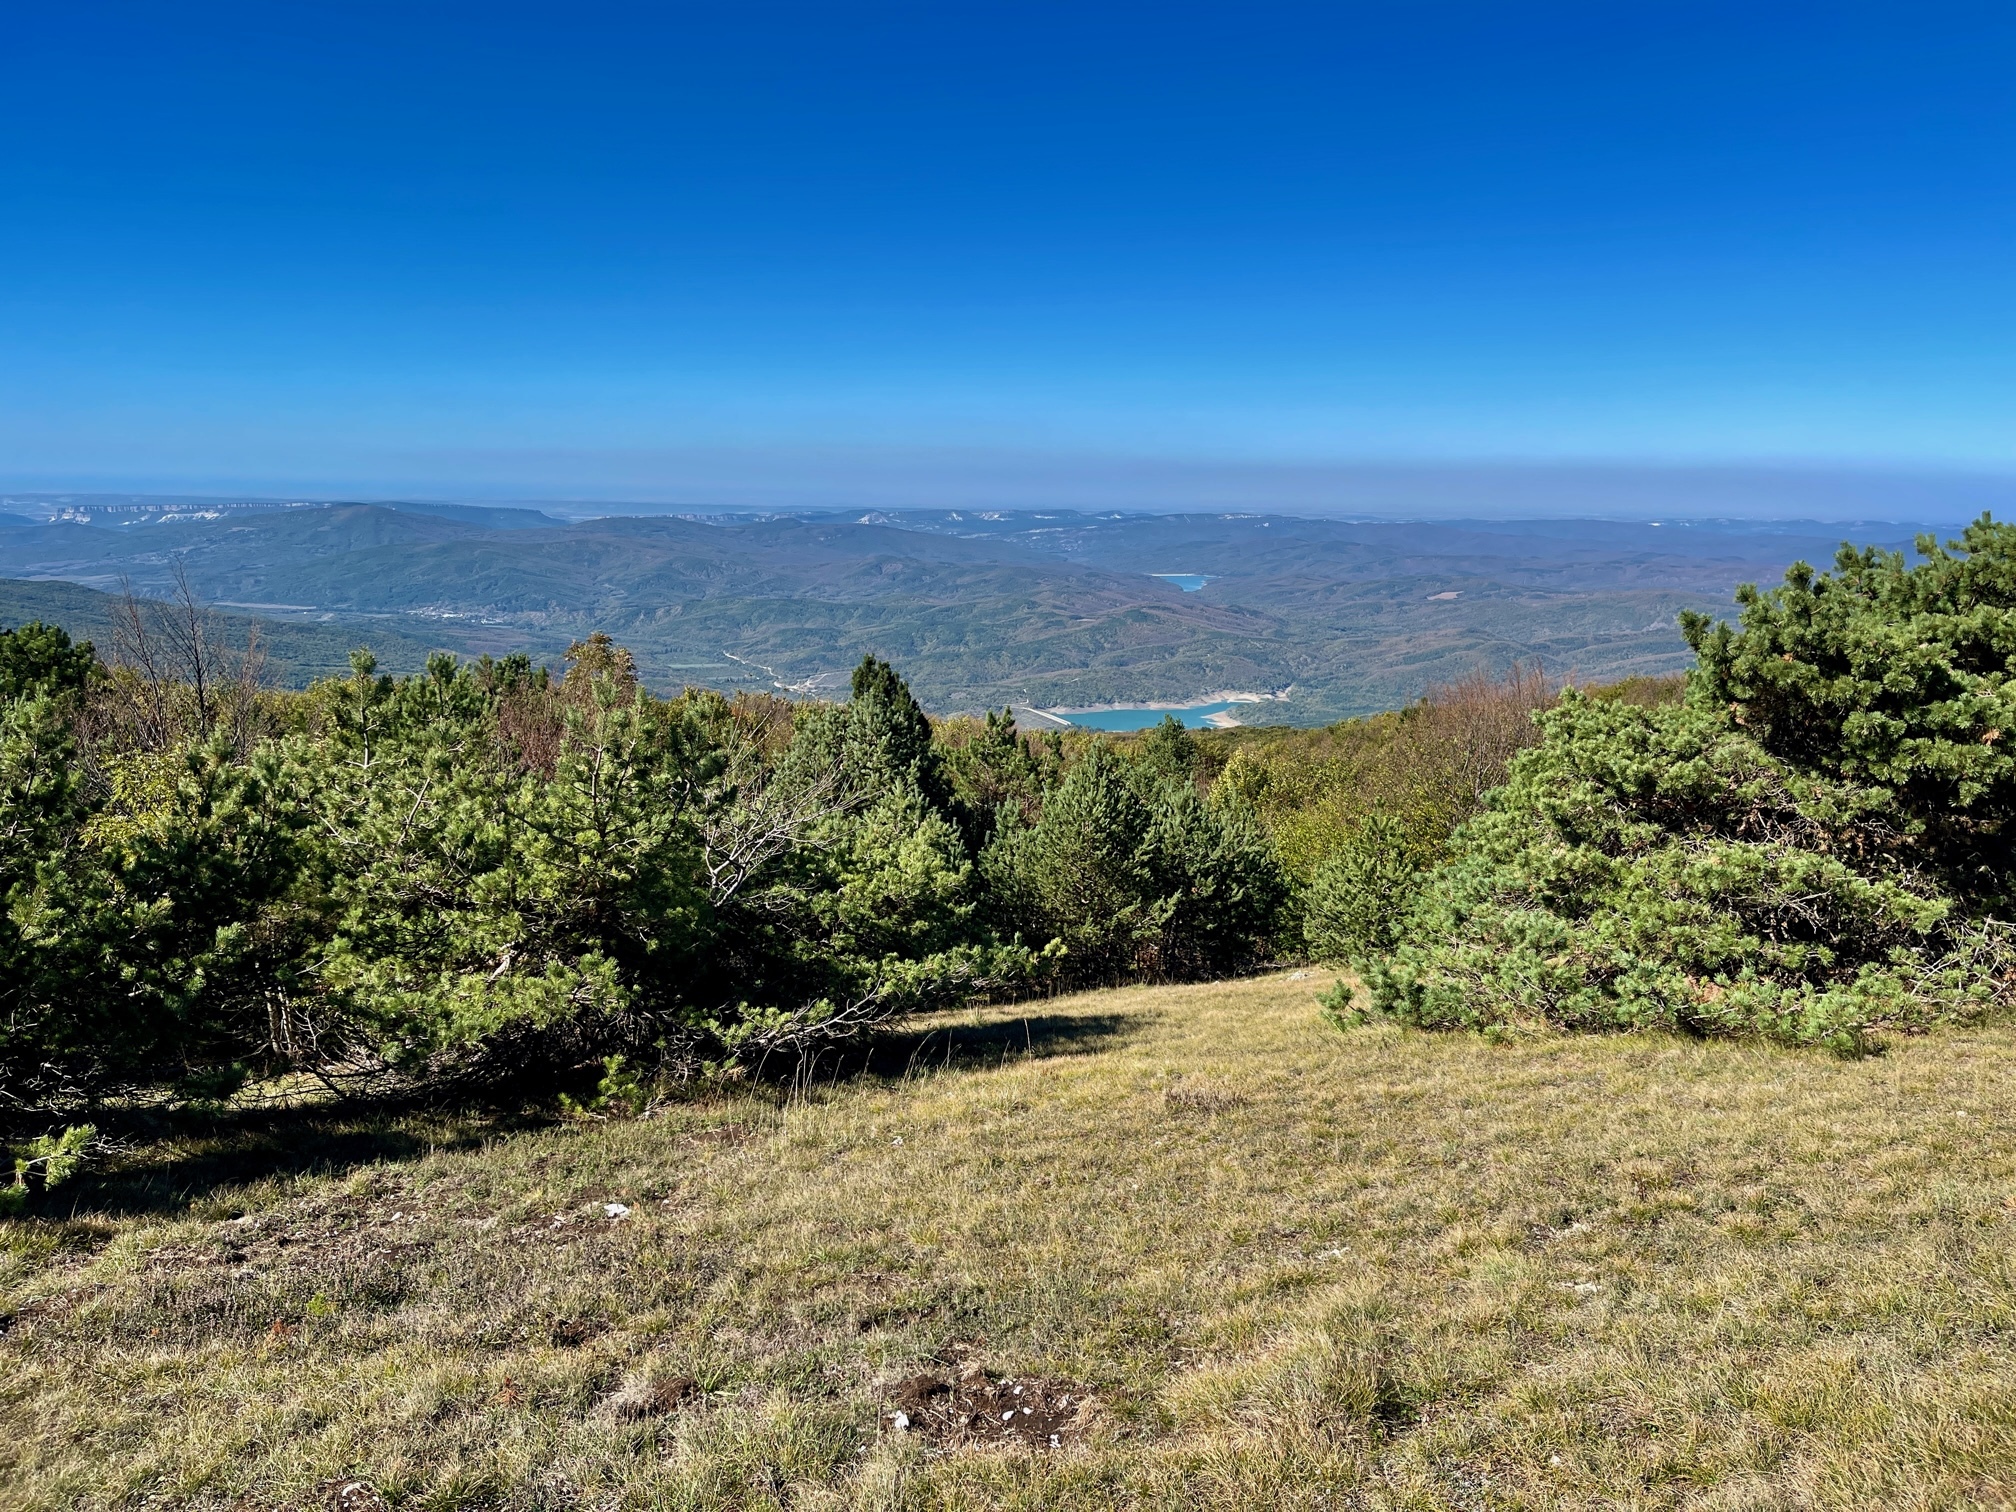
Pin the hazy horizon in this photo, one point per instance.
(1371, 491)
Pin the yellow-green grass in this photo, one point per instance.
(1297, 1267)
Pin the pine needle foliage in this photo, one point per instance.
(1812, 846)
(477, 877)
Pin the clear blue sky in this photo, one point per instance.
(655, 249)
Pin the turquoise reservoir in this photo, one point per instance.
(1194, 717)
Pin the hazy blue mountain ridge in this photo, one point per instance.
(1045, 609)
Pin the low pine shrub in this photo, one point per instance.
(1813, 845)
(1135, 875)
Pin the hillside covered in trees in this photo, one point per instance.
(979, 609)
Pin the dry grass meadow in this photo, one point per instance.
(1290, 1268)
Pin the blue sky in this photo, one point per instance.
(695, 252)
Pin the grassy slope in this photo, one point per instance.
(1298, 1268)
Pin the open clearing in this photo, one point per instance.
(1288, 1268)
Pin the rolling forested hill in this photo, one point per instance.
(1044, 609)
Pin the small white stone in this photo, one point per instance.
(900, 1422)
(616, 1210)
(1008, 1414)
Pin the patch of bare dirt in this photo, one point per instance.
(572, 1333)
(347, 1495)
(955, 1408)
(642, 1396)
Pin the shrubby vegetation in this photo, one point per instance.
(1813, 844)
(483, 876)
(1360, 811)
(1135, 875)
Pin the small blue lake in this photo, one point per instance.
(1195, 717)
(1189, 582)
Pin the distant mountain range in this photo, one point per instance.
(978, 609)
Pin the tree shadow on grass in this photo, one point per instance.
(188, 1164)
(187, 1160)
(895, 1054)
